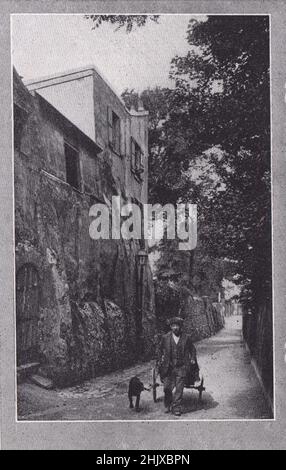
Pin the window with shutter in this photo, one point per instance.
(109, 122)
(114, 130)
(137, 163)
(133, 155)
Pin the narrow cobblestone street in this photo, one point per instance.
(232, 389)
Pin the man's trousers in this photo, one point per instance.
(175, 379)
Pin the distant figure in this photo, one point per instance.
(135, 389)
(177, 365)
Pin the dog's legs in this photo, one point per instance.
(137, 402)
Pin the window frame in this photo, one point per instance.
(137, 159)
(76, 152)
(114, 131)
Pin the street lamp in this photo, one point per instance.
(142, 256)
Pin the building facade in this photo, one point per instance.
(83, 306)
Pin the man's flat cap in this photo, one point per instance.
(175, 320)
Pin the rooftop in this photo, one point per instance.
(76, 74)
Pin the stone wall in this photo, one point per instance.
(258, 334)
(90, 319)
(202, 317)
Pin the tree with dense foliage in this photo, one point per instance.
(127, 21)
(210, 141)
(217, 119)
(230, 76)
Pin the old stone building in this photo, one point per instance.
(83, 306)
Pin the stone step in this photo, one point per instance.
(43, 382)
(25, 370)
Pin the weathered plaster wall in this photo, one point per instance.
(83, 97)
(88, 311)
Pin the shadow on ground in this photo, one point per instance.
(240, 401)
(192, 403)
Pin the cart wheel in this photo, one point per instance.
(154, 384)
(201, 389)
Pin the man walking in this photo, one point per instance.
(176, 362)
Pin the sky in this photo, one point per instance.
(48, 44)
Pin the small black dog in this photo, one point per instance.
(134, 390)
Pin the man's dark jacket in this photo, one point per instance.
(165, 354)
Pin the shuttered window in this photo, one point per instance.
(114, 130)
(110, 130)
(137, 159)
(133, 155)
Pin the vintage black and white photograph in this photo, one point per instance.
(142, 217)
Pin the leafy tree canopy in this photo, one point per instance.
(215, 124)
(209, 139)
(127, 21)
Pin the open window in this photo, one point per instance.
(114, 132)
(137, 160)
(72, 166)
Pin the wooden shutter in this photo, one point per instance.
(122, 137)
(133, 154)
(141, 159)
(138, 157)
(116, 137)
(109, 126)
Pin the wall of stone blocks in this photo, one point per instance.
(202, 317)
